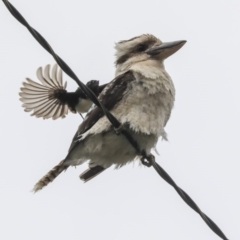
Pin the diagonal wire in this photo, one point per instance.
(114, 121)
(69, 72)
(187, 199)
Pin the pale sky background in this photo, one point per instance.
(203, 151)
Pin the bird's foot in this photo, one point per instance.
(121, 128)
(148, 161)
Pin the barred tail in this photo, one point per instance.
(50, 176)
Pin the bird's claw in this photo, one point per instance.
(148, 161)
(120, 128)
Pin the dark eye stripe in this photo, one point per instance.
(142, 47)
(136, 49)
(124, 58)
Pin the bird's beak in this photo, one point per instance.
(165, 50)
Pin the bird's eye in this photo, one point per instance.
(141, 47)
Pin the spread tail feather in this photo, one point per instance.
(50, 176)
(47, 98)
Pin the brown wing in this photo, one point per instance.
(109, 97)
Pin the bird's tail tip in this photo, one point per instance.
(37, 187)
(49, 177)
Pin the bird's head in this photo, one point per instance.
(143, 48)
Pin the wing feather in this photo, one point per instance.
(109, 97)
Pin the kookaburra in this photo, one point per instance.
(141, 97)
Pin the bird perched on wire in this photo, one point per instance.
(50, 99)
(141, 97)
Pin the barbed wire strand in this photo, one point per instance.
(114, 121)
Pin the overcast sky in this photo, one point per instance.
(203, 152)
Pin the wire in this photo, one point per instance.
(146, 160)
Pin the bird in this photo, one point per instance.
(50, 99)
(141, 96)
